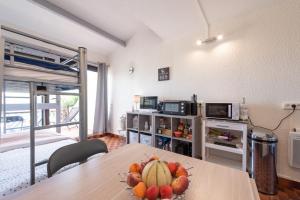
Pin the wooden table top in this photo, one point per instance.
(98, 179)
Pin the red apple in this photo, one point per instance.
(142, 165)
(152, 192)
(180, 184)
(172, 167)
(181, 171)
(166, 192)
(133, 179)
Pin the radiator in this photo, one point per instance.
(294, 149)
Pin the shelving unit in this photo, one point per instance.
(216, 148)
(136, 132)
(163, 137)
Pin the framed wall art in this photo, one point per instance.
(164, 74)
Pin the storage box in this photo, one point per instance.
(146, 139)
(133, 137)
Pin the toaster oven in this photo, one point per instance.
(176, 107)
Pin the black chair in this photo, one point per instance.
(74, 153)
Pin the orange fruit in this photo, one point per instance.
(140, 190)
(134, 167)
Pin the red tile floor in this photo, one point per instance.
(112, 141)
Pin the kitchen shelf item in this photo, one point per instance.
(178, 134)
(225, 142)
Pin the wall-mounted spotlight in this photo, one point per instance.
(209, 40)
(198, 42)
(131, 70)
(220, 37)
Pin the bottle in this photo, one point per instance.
(123, 122)
(146, 126)
(135, 122)
(244, 110)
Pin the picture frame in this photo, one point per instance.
(164, 74)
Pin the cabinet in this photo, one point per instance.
(179, 134)
(225, 142)
(139, 128)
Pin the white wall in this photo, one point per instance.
(259, 59)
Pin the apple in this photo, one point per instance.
(142, 166)
(166, 192)
(180, 184)
(152, 192)
(133, 179)
(181, 171)
(172, 167)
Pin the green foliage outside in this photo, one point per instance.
(69, 101)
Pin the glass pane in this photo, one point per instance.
(15, 116)
(92, 92)
(57, 109)
(14, 137)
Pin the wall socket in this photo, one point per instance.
(288, 105)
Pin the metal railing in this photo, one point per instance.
(37, 38)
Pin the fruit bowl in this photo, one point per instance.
(156, 179)
(178, 133)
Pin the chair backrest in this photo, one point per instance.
(73, 153)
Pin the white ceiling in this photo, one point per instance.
(28, 17)
(218, 10)
(169, 19)
(105, 14)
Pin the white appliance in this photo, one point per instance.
(294, 149)
(229, 111)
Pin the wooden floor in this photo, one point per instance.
(287, 190)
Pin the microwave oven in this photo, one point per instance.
(148, 102)
(175, 107)
(229, 111)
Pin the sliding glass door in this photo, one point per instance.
(92, 77)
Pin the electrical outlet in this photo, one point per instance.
(288, 105)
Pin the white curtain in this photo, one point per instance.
(101, 113)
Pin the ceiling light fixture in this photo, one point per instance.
(209, 38)
(220, 37)
(199, 42)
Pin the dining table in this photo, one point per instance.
(104, 178)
